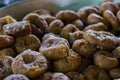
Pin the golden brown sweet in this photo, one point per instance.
(55, 27)
(16, 77)
(109, 6)
(37, 32)
(115, 73)
(113, 20)
(7, 52)
(75, 75)
(105, 60)
(84, 48)
(84, 64)
(30, 63)
(103, 39)
(79, 24)
(70, 63)
(48, 18)
(54, 76)
(84, 12)
(6, 41)
(54, 47)
(75, 36)
(27, 42)
(67, 15)
(95, 18)
(118, 15)
(5, 20)
(96, 73)
(17, 29)
(70, 28)
(5, 66)
(116, 52)
(97, 27)
(37, 21)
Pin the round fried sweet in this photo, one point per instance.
(17, 29)
(54, 47)
(37, 32)
(105, 60)
(55, 27)
(84, 64)
(103, 39)
(16, 77)
(85, 11)
(70, 28)
(67, 15)
(75, 75)
(95, 73)
(54, 76)
(118, 15)
(75, 36)
(5, 66)
(30, 63)
(116, 52)
(6, 41)
(41, 12)
(36, 20)
(70, 63)
(109, 6)
(112, 19)
(115, 73)
(79, 24)
(7, 52)
(48, 18)
(5, 20)
(95, 18)
(84, 48)
(27, 42)
(97, 27)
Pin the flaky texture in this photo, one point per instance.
(5, 66)
(84, 48)
(5, 20)
(17, 29)
(30, 63)
(95, 18)
(103, 39)
(84, 12)
(54, 47)
(105, 60)
(55, 27)
(6, 41)
(68, 30)
(95, 73)
(36, 20)
(113, 20)
(71, 62)
(8, 52)
(27, 42)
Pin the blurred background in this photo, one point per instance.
(84, 2)
(7, 2)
